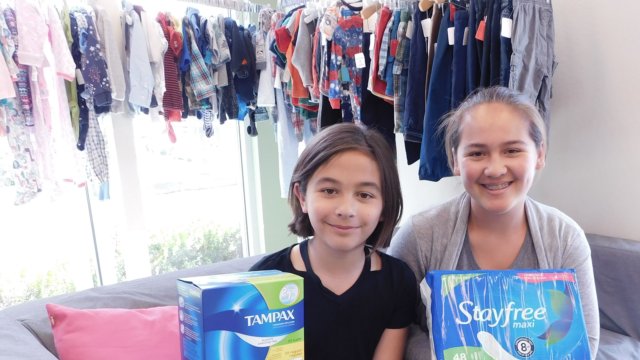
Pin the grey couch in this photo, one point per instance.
(25, 332)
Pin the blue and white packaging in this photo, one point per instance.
(244, 316)
(505, 315)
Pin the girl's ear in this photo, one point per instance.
(541, 157)
(301, 198)
(456, 167)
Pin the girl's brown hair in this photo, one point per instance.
(335, 140)
(452, 124)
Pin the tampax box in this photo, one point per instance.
(505, 315)
(244, 316)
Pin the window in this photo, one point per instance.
(172, 206)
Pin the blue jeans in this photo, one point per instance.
(414, 105)
(485, 62)
(495, 44)
(461, 20)
(433, 157)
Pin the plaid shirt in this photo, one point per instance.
(384, 48)
(298, 122)
(402, 43)
(201, 81)
(96, 149)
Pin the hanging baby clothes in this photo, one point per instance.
(35, 33)
(223, 47)
(433, 157)
(112, 57)
(401, 71)
(24, 87)
(229, 99)
(141, 81)
(266, 94)
(95, 85)
(25, 167)
(67, 163)
(94, 67)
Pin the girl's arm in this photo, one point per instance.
(391, 345)
(578, 257)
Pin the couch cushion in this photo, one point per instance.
(123, 334)
(18, 343)
(616, 268)
(144, 293)
(614, 346)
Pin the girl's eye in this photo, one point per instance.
(366, 196)
(475, 154)
(512, 151)
(329, 191)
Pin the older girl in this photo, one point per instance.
(495, 141)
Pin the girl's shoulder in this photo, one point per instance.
(395, 268)
(549, 219)
(444, 214)
(279, 260)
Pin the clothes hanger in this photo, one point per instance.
(425, 5)
(353, 3)
(368, 11)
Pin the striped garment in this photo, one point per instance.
(384, 48)
(298, 121)
(24, 87)
(400, 76)
(172, 99)
(201, 81)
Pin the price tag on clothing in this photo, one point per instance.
(360, 63)
(344, 74)
(278, 80)
(466, 36)
(79, 77)
(409, 29)
(287, 74)
(426, 27)
(507, 26)
(452, 35)
(480, 32)
(394, 47)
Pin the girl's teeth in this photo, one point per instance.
(498, 187)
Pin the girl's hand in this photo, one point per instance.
(392, 344)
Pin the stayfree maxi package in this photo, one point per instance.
(505, 315)
(243, 316)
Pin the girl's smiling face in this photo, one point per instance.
(496, 157)
(344, 200)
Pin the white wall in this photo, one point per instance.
(593, 166)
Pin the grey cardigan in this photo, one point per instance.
(432, 240)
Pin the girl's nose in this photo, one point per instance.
(347, 207)
(495, 168)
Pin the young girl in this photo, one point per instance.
(495, 141)
(346, 199)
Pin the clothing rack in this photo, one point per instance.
(290, 3)
(238, 5)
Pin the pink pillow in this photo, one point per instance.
(107, 334)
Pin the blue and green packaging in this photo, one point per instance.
(505, 315)
(253, 315)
